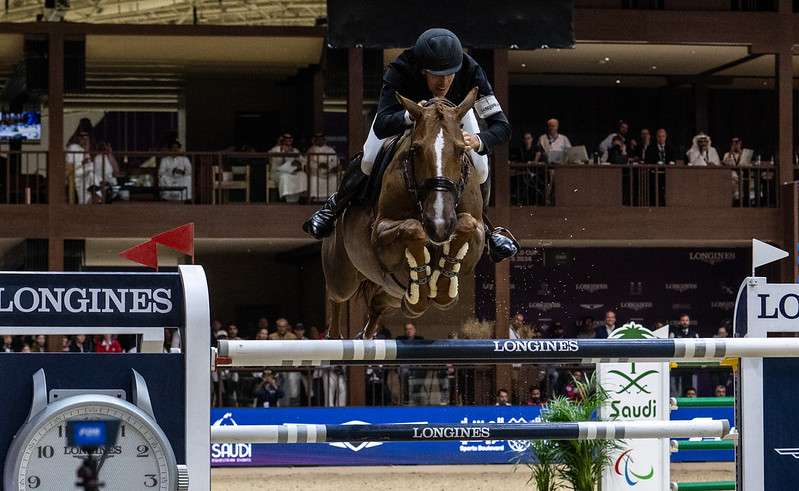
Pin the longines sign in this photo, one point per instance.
(91, 300)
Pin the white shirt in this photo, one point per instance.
(554, 147)
(175, 172)
(697, 157)
(81, 161)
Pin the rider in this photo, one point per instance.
(435, 66)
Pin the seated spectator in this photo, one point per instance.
(737, 155)
(684, 328)
(720, 391)
(323, 168)
(410, 333)
(108, 344)
(232, 331)
(570, 390)
(662, 152)
(689, 392)
(263, 324)
(106, 169)
(286, 170)
(175, 171)
(528, 150)
(552, 144)
(269, 392)
(8, 344)
(80, 344)
(702, 152)
(621, 131)
(608, 326)
(79, 168)
(39, 344)
(639, 154)
(503, 398)
(557, 331)
(262, 335)
(299, 330)
(617, 153)
(586, 329)
(721, 333)
(534, 398)
(283, 331)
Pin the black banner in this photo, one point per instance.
(525, 24)
(91, 300)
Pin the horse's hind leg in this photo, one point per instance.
(444, 280)
(379, 303)
(334, 321)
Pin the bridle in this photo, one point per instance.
(437, 183)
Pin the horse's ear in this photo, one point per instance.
(467, 103)
(414, 109)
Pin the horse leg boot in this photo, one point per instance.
(501, 243)
(322, 223)
(444, 291)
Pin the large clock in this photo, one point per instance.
(142, 458)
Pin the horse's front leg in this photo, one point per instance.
(444, 280)
(404, 241)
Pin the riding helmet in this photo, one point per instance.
(439, 51)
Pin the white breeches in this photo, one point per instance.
(372, 147)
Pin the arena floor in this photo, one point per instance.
(411, 478)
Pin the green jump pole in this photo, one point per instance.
(703, 486)
(678, 445)
(679, 402)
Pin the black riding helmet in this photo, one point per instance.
(439, 51)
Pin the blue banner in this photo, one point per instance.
(397, 453)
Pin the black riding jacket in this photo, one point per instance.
(405, 77)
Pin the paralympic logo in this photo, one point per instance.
(625, 460)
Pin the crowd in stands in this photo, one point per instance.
(621, 147)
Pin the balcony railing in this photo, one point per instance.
(534, 184)
(23, 177)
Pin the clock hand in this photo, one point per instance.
(102, 459)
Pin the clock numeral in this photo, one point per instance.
(45, 452)
(34, 482)
(150, 481)
(142, 451)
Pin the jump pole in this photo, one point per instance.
(591, 430)
(354, 352)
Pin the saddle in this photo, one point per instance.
(371, 192)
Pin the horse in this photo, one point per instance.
(408, 249)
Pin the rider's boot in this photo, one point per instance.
(501, 243)
(322, 223)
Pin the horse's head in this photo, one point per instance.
(435, 162)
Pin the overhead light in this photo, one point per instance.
(618, 81)
(524, 65)
(607, 58)
(765, 83)
(653, 67)
(693, 51)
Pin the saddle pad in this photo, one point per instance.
(371, 192)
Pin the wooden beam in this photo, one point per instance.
(162, 29)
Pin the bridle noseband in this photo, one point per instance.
(437, 183)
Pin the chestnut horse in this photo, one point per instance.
(426, 228)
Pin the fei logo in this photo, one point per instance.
(623, 467)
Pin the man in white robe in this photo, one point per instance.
(323, 168)
(175, 171)
(287, 171)
(702, 152)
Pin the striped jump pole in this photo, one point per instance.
(360, 352)
(683, 402)
(590, 430)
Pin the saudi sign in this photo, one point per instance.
(637, 391)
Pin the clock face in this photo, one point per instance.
(139, 460)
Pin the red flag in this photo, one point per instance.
(144, 253)
(180, 239)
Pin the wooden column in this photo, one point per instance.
(785, 150)
(789, 269)
(55, 161)
(355, 133)
(501, 214)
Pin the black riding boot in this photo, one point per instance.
(501, 243)
(322, 223)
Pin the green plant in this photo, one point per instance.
(545, 471)
(582, 462)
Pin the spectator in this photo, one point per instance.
(586, 329)
(617, 153)
(528, 151)
(552, 144)
(689, 392)
(80, 344)
(108, 344)
(174, 170)
(720, 391)
(411, 380)
(661, 153)
(215, 326)
(8, 344)
(382, 332)
(608, 326)
(26, 348)
(323, 167)
(702, 152)
(410, 333)
(39, 344)
(268, 393)
(621, 131)
(232, 331)
(737, 155)
(286, 170)
(684, 329)
(570, 389)
(639, 155)
(263, 324)
(299, 330)
(534, 398)
(262, 335)
(721, 333)
(503, 398)
(557, 331)
(283, 331)
(80, 168)
(315, 333)
(106, 169)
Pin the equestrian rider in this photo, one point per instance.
(435, 66)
